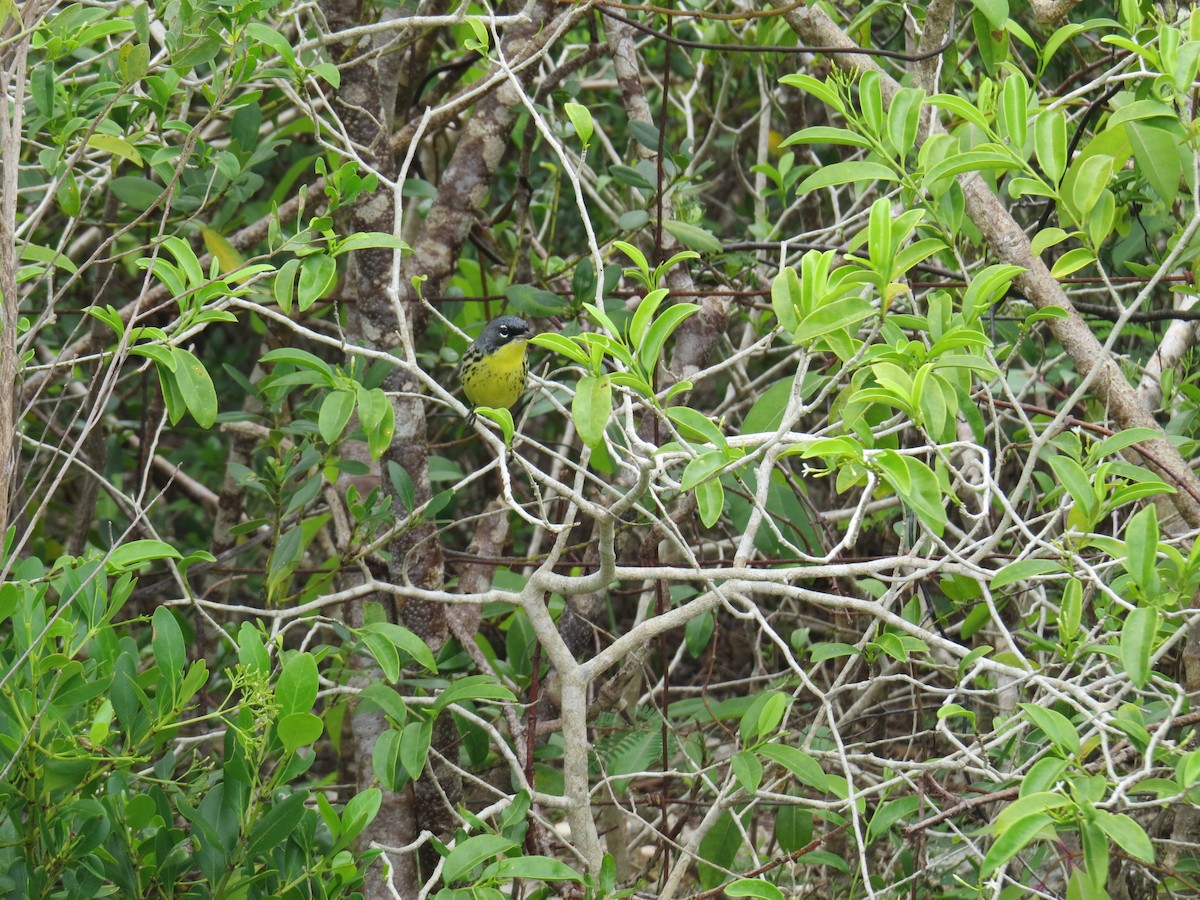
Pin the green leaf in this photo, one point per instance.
(1156, 145)
(1029, 803)
(535, 302)
(991, 156)
(581, 118)
(385, 760)
(1137, 643)
(562, 345)
(360, 811)
(298, 730)
(848, 312)
(1122, 439)
(823, 134)
(786, 298)
(1078, 484)
(403, 639)
(703, 467)
(1043, 775)
(534, 868)
(296, 690)
(1128, 834)
(698, 239)
(1141, 545)
(824, 92)
(717, 851)
(368, 240)
(591, 408)
(196, 387)
(167, 643)
(799, 763)
(1055, 726)
(472, 852)
(318, 274)
(710, 501)
(1070, 611)
(695, 425)
(137, 553)
(1050, 144)
(1014, 840)
(660, 331)
(414, 746)
(845, 173)
(753, 887)
(473, 687)
(136, 192)
(336, 410)
(1072, 261)
(995, 11)
(747, 770)
(964, 109)
(116, 146)
(1023, 569)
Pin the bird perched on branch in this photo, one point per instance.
(493, 369)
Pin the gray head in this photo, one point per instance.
(502, 330)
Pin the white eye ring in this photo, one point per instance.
(503, 331)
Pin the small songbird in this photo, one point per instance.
(493, 369)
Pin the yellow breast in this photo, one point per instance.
(497, 380)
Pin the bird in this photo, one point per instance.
(493, 369)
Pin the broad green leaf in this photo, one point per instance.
(472, 852)
(296, 690)
(796, 761)
(1078, 484)
(823, 134)
(1014, 840)
(134, 554)
(592, 408)
(360, 811)
(695, 425)
(1072, 261)
(405, 640)
(819, 89)
(753, 887)
(1128, 834)
(1055, 726)
(414, 746)
(1050, 143)
(196, 387)
(1023, 569)
(167, 643)
(318, 275)
(298, 730)
(693, 236)
(1137, 643)
(473, 687)
(336, 410)
(747, 770)
(710, 501)
(703, 467)
(533, 868)
(718, 849)
(116, 146)
(1027, 805)
(1156, 145)
(1141, 545)
(1070, 611)
(845, 173)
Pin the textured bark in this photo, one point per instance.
(12, 87)
(364, 104)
